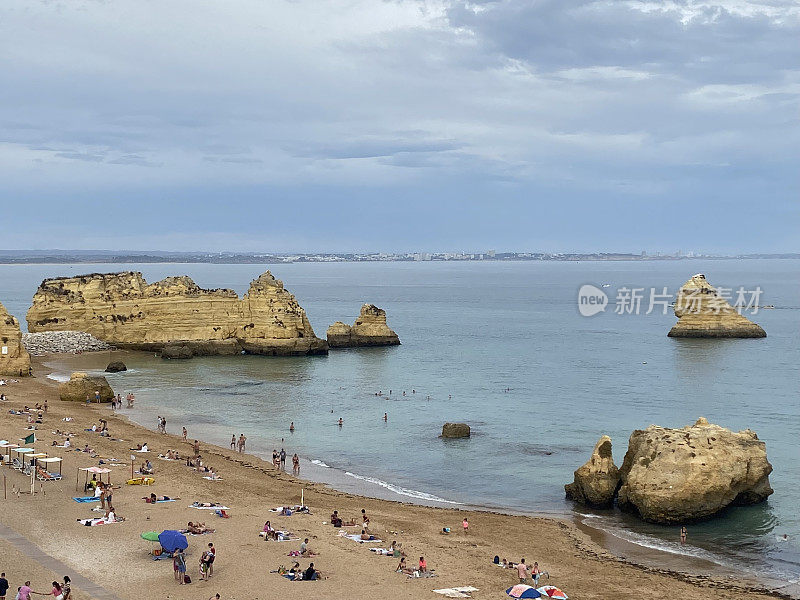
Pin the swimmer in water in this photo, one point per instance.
(385, 417)
(341, 422)
(291, 426)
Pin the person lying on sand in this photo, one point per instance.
(364, 535)
(206, 504)
(152, 499)
(198, 528)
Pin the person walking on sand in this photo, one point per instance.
(185, 434)
(283, 458)
(242, 441)
(25, 591)
(683, 535)
(295, 465)
(67, 586)
(233, 441)
(522, 571)
(196, 448)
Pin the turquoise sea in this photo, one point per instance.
(471, 331)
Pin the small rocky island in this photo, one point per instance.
(14, 359)
(175, 316)
(674, 476)
(703, 313)
(369, 329)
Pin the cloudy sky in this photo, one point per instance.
(294, 125)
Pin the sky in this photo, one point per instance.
(369, 125)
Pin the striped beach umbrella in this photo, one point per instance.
(523, 591)
(552, 591)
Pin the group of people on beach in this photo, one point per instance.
(60, 590)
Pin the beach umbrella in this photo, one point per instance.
(171, 540)
(552, 591)
(523, 591)
(150, 536)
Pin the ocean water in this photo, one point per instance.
(500, 346)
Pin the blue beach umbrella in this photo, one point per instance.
(523, 591)
(171, 540)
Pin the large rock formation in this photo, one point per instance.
(690, 474)
(116, 366)
(81, 385)
(596, 481)
(455, 430)
(370, 329)
(703, 313)
(14, 359)
(123, 309)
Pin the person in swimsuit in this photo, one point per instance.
(683, 535)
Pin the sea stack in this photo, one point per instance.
(14, 359)
(124, 310)
(595, 483)
(370, 329)
(673, 476)
(703, 313)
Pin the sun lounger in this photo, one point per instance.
(45, 476)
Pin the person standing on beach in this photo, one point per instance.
(242, 441)
(179, 566)
(3, 586)
(522, 571)
(196, 448)
(465, 525)
(683, 535)
(233, 441)
(295, 465)
(212, 556)
(185, 434)
(283, 458)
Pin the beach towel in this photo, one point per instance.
(215, 507)
(382, 551)
(95, 522)
(420, 575)
(85, 499)
(357, 538)
(457, 592)
(212, 478)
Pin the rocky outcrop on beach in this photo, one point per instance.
(14, 359)
(81, 386)
(455, 430)
(703, 313)
(53, 342)
(369, 329)
(596, 482)
(124, 310)
(116, 366)
(693, 473)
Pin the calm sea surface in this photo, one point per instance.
(470, 331)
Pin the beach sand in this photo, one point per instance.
(115, 557)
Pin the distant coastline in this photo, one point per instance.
(31, 257)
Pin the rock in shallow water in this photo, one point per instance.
(369, 329)
(691, 474)
(81, 385)
(455, 430)
(596, 481)
(116, 366)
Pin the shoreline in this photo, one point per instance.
(594, 542)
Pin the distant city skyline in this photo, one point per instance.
(416, 125)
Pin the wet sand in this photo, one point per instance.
(116, 557)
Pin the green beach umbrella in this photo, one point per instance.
(150, 536)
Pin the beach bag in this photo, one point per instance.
(187, 579)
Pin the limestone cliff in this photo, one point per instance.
(14, 359)
(370, 329)
(703, 313)
(123, 309)
(693, 473)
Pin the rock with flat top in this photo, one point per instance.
(703, 313)
(693, 473)
(596, 482)
(455, 430)
(126, 311)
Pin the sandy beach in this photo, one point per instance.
(115, 557)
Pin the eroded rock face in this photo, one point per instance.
(690, 474)
(455, 430)
(703, 313)
(596, 481)
(14, 359)
(123, 309)
(81, 385)
(369, 329)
